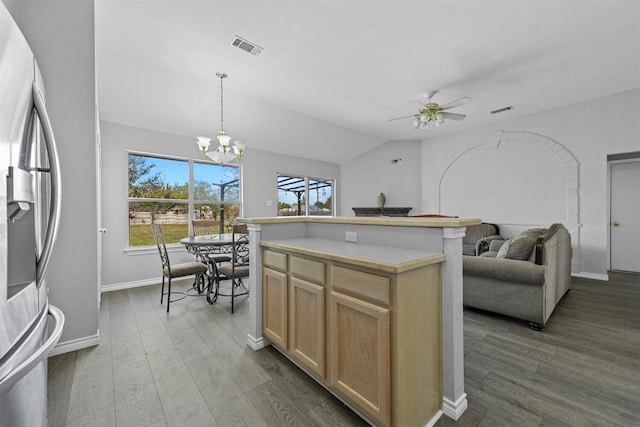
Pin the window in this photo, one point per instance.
(216, 193)
(294, 191)
(172, 192)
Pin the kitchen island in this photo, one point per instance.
(370, 307)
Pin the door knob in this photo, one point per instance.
(616, 223)
(102, 230)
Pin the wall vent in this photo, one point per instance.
(502, 110)
(246, 45)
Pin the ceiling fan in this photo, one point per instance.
(435, 113)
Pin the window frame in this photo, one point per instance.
(306, 179)
(190, 202)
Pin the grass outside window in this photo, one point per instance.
(141, 235)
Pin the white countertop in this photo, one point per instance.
(390, 259)
(388, 221)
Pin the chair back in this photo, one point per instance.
(240, 238)
(205, 226)
(162, 247)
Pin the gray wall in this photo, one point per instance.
(259, 171)
(585, 132)
(393, 168)
(61, 34)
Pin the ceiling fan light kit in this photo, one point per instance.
(223, 154)
(432, 112)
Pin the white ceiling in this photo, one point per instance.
(333, 72)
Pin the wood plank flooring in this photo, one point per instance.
(192, 367)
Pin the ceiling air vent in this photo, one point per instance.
(246, 45)
(502, 110)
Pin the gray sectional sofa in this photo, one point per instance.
(523, 277)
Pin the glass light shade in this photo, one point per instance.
(224, 139)
(238, 149)
(203, 143)
(424, 125)
(424, 118)
(221, 156)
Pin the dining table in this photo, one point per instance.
(204, 247)
(208, 244)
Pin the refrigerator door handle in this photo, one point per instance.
(54, 166)
(37, 357)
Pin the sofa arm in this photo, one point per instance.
(508, 270)
(482, 245)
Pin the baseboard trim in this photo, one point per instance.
(130, 285)
(77, 344)
(435, 419)
(593, 276)
(257, 343)
(455, 410)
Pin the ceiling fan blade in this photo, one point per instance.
(452, 116)
(456, 103)
(400, 118)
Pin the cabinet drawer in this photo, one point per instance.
(275, 260)
(366, 285)
(312, 271)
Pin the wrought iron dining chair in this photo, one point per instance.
(194, 268)
(237, 269)
(203, 227)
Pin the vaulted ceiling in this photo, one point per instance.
(333, 72)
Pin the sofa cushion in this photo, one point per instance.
(477, 232)
(534, 232)
(489, 254)
(517, 248)
(507, 270)
(468, 249)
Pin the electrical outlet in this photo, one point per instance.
(351, 237)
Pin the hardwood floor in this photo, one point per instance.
(192, 367)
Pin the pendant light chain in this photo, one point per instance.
(222, 76)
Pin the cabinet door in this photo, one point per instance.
(307, 324)
(359, 361)
(274, 306)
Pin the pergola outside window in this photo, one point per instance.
(294, 192)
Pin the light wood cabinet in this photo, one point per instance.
(307, 324)
(274, 306)
(371, 336)
(360, 354)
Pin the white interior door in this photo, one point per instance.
(625, 215)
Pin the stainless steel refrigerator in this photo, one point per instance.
(29, 215)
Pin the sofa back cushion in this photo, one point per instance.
(479, 231)
(517, 248)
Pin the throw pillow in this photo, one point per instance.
(504, 249)
(521, 247)
(517, 248)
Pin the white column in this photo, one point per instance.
(454, 398)
(255, 339)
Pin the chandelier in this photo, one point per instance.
(223, 154)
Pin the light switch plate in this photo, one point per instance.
(351, 237)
